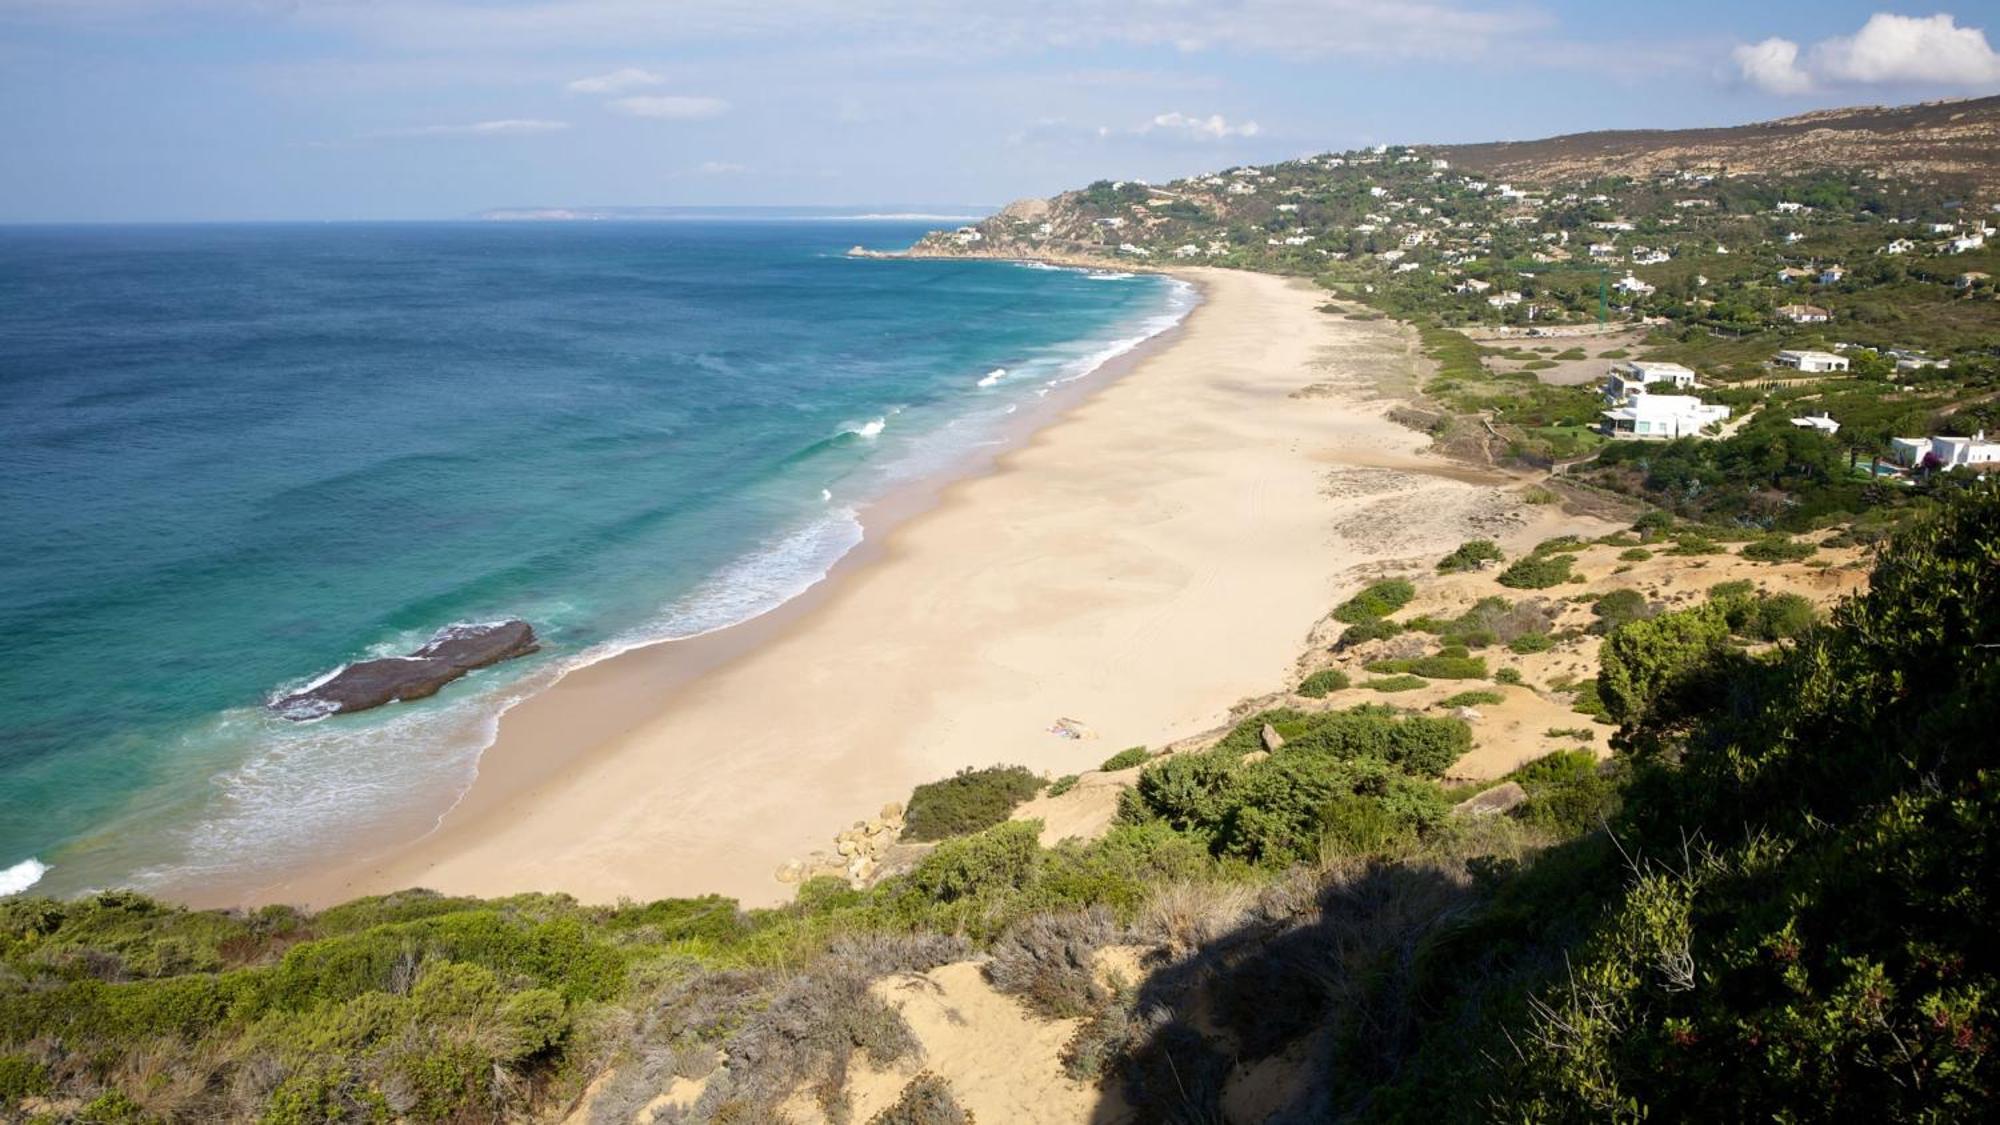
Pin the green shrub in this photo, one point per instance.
(1377, 601)
(1187, 791)
(1396, 683)
(1469, 555)
(1510, 676)
(1473, 699)
(1062, 785)
(21, 1077)
(1528, 643)
(1561, 545)
(1634, 554)
(1369, 631)
(1567, 796)
(1438, 667)
(1767, 617)
(1643, 662)
(1537, 572)
(1778, 548)
(1323, 683)
(1127, 758)
(999, 859)
(1618, 607)
(968, 801)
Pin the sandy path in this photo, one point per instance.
(1144, 562)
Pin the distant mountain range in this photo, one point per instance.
(1945, 140)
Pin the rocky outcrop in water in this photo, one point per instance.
(454, 651)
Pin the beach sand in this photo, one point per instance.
(1150, 558)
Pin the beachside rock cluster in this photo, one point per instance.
(858, 855)
(454, 651)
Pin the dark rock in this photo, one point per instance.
(454, 651)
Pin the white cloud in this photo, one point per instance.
(669, 107)
(1214, 127)
(1773, 65)
(617, 81)
(508, 127)
(1888, 50)
(1923, 50)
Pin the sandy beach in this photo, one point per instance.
(1150, 558)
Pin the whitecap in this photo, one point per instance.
(869, 429)
(21, 876)
(993, 376)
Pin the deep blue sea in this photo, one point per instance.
(234, 457)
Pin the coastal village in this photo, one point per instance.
(1707, 292)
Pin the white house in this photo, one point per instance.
(1804, 314)
(1632, 285)
(1966, 243)
(1504, 299)
(1662, 416)
(1945, 453)
(1819, 422)
(1811, 362)
(1831, 275)
(1900, 246)
(1638, 377)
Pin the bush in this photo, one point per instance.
(1046, 960)
(1469, 555)
(1377, 601)
(968, 801)
(1634, 554)
(1369, 631)
(1644, 662)
(1062, 785)
(1323, 683)
(1528, 643)
(927, 1100)
(1567, 796)
(1619, 607)
(1439, 667)
(1766, 617)
(1396, 683)
(1188, 791)
(1778, 548)
(1127, 758)
(21, 1077)
(1510, 676)
(1473, 699)
(998, 859)
(1537, 572)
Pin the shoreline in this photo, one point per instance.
(700, 766)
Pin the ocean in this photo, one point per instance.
(233, 458)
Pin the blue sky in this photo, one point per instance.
(361, 109)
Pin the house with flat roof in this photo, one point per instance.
(1641, 376)
(1805, 314)
(1662, 416)
(1809, 361)
(1819, 422)
(1946, 453)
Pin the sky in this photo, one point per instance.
(151, 110)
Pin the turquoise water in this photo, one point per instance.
(232, 458)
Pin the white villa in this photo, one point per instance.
(1632, 285)
(1945, 453)
(1661, 416)
(1811, 362)
(1805, 314)
(1819, 422)
(1639, 376)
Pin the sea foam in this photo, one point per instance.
(21, 876)
(993, 377)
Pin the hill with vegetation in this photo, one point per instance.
(1767, 894)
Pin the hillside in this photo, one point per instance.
(1950, 140)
